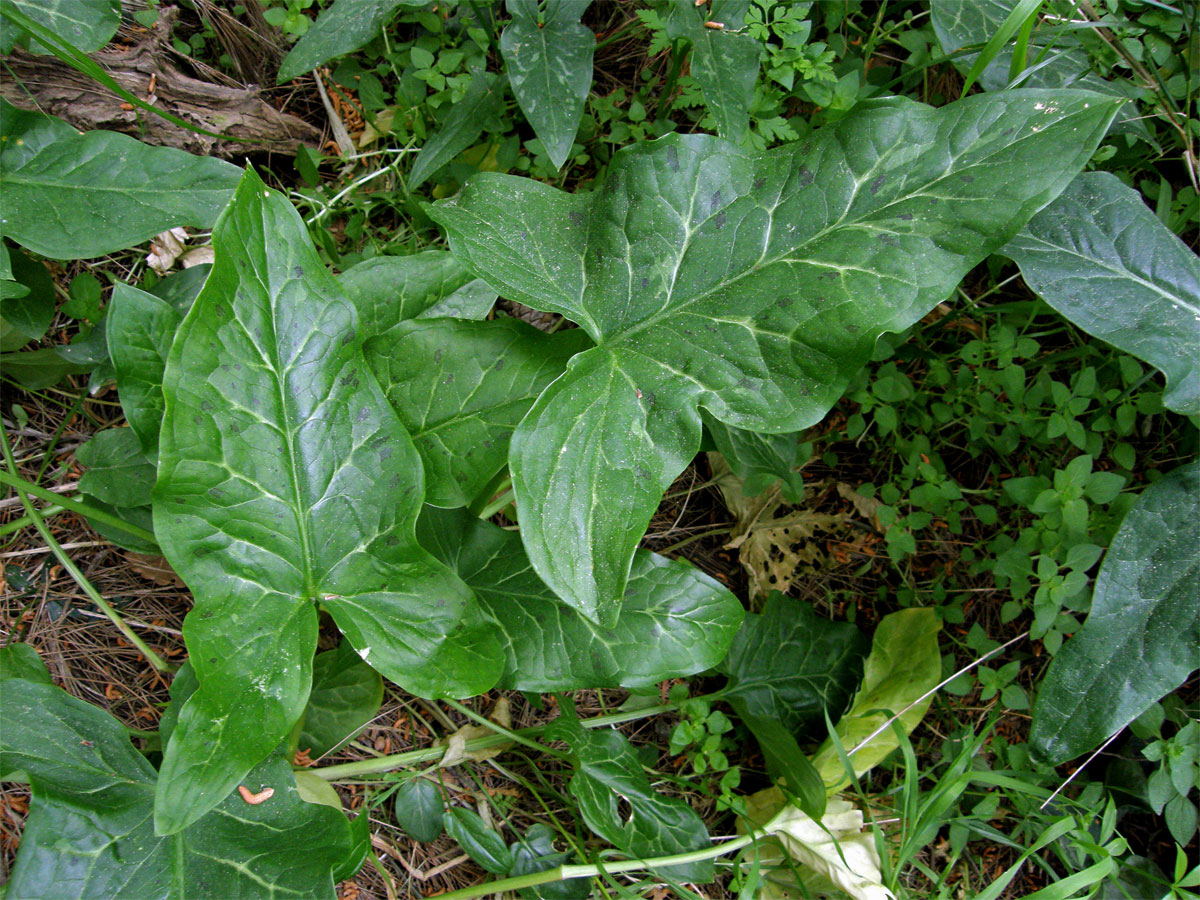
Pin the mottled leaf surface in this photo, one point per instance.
(791, 665)
(1100, 257)
(675, 620)
(607, 771)
(285, 479)
(346, 695)
(724, 60)
(752, 285)
(340, 29)
(1139, 640)
(73, 196)
(549, 63)
(87, 24)
(460, 388)
(90, 830)
(431, 284)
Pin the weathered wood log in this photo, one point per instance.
(145, 70)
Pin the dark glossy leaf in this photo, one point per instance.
(346, 695)
(675, 621)
(285, 479)
(753, 285)
(460, 388)
(25, 317)
(433, 284)
(108, 191)
(793, 666)
(88, 24)
(22, 661)
(607, 771)
(790, 769)
(90, 829)
(342, 28)
(141, 516)
(418, 808)
(37, 370)
(140, 330)
(462, 125)
(724, 60)
(481, 843)
(535, 853)
(761, 460)
(182, 288)
(116, 472)
(1139, 641)
(549, 63)
(360, 846)
(1101, 258)
(1055, 58)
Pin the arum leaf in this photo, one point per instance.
(903, 665)
(535, 853)
(26, 316)
(1101, 258)
(724, 62)
(285, 479)
(346, 695)
(481, 843)
(789, 768)
(117, 473)
(762, 460)
(140, 330)
(460, 388)
(22, 661)
(108, 191)
(1139, 641)
(462, 125)
(183, 685)
(607, 771)
(340, 29)
(1055, 58)
(418, 808)
(752, 285)
(793, 666)
(391, 289)
(675, 621)
(90, 829)
(88, 24)
(549, 65)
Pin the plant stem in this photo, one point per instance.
(67, 563)
(428, 754)
(501, 730)
(69, 503)
(17, 524)
(562, 873)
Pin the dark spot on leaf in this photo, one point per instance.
(876, 185)
(784, 302)
(719, 221)
(385, 453)
(806, 176)
(237, 367)
(220, 310)
(687, 331)
(905, 217)
(449, 378)
(197, 420)
(524, 235)
(577, 218)
(216, 493)
(363, 415)
(673, 159)
(966, 179)
(206, 406)
(1008, 131)
(890, 239)
(348, 379)
(829, 275)
(760, 183)
(298, 272)
(258, 334)
(852, 328)
(714, 202)
(645, 281)
(441, 603)
(349, 336)
(391, 540)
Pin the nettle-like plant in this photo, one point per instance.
(324, 445)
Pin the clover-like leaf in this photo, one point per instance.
(1102, 258)
(460, 388)
(549, 65)
(90, 831)
(675, 621)
(752, 285)
(107, 190)
(1139, 640)
(285, 480)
